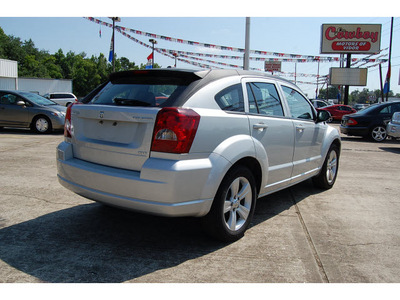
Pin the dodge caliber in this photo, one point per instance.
(201, 143)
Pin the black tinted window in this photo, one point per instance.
(264, 99)
(299, 106)
(231, 98)
(140, 92)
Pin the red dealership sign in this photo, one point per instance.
(351, 38)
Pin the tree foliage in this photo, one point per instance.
(86, 73)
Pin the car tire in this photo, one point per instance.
(41, 124)
(327, 177)
(378, 133)
(233, 206)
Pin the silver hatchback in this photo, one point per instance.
(204, 143)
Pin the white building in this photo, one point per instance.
(9, 81)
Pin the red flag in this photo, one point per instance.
(150, 56)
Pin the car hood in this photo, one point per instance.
(56, 108)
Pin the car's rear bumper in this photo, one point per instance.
(163, 187)
(356, 131)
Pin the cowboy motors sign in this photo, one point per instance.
(351, 38)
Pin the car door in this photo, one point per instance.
(272, 129)
(308, 135)
(12, 114)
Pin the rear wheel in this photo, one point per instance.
(327, 177)
(378, 133)
(233, 206)
(41, 124)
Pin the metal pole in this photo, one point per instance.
(246, 59)
(152, 41)
(113, 46)
(346, 87)
(316, 90)
(390, 57)
(380, 80)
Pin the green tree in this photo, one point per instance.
(332, 93)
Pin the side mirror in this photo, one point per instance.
(21, 103)
(323, 116)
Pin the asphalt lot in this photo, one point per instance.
(348, 234)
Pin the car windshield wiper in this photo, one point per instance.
(130, 102)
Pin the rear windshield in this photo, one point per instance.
(136, 91)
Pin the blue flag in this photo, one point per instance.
(111, 55)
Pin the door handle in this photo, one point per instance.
(260, 126)
(300, 128)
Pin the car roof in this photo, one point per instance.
(209, 74)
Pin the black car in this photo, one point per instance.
(370, 122)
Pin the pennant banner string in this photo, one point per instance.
(211, 46)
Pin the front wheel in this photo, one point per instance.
(41, 124)
(327, 177)
(233, 206)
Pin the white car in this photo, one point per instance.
(221, 140)
(63, 99)
(393, 127)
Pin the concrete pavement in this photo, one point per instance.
(347, 234)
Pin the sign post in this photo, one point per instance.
(350, 39)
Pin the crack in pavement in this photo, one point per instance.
(314, 251)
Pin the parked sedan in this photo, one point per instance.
(393, 127)
(370, 122)
(337, 111)
(221, 140)
(28, 110)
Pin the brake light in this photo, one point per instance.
(174, 130)
(67, 123)
(352, 122)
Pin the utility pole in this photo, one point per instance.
(152, 41)
(246, 58)
(114, 19)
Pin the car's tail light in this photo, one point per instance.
(351, 122)
(68, 122)
(174, 130)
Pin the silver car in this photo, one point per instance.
(29, 110)
(393, 127)
(210, 147)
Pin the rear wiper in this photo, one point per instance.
(130, 102)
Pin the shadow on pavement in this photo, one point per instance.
(93, 243)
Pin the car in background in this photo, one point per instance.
(29, 110)
(393, 127)
(221, 140)
(319, 103)
(370, 122)
(61, 98)
(360, 106)
(337, 111)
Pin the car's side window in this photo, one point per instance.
(9, 99)
(264, 99)
(299, 106)
(231, 98)
(390, 109)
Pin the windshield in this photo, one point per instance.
(39, 100)
(129, 92)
